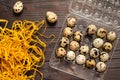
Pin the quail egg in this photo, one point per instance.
(98, 42)
(104, 56)
(80, 59)
(101, 32)
(67, 32)
(111, 36)
(71, 22)
(107, 46)
(60, 52)
(77, 36)
(94, 52)
(74, 45)
(70, 55)
(91, 29)
(100, 66)
(64, 41)
(18, 7)
(90, 63)
(51, 17)
(84, 49)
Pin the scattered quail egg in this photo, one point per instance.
(51, 17)
(18, 7)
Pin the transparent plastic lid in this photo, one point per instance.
(102, 11)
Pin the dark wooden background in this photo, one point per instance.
(36, 10)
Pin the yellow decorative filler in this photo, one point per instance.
(21, 50)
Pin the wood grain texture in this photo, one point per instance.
(36, 10)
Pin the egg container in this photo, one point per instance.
(104, 14)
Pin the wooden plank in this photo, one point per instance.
(35, 10)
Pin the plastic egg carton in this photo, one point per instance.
(98, 12)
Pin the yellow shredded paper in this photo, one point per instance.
(20, 51)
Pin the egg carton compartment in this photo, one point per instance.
(71, 67)
(102, 11)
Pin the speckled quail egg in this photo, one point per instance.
(64, 42)
(71, 22)
(67, 32)
(94, 52)
(51, 17)
(91, 29)
(107, 46)
(100, 66)
(111, 36)
(90, 63)
(98, 42)
(104, 56)
(60, 52)
(101, 32)
(84, 49)
(74, 45)
(77, 36)
(18, 7)
(80, 59)
(70, 55)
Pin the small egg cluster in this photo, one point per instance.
(94, 57)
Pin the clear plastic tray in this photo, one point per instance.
(80, 10)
